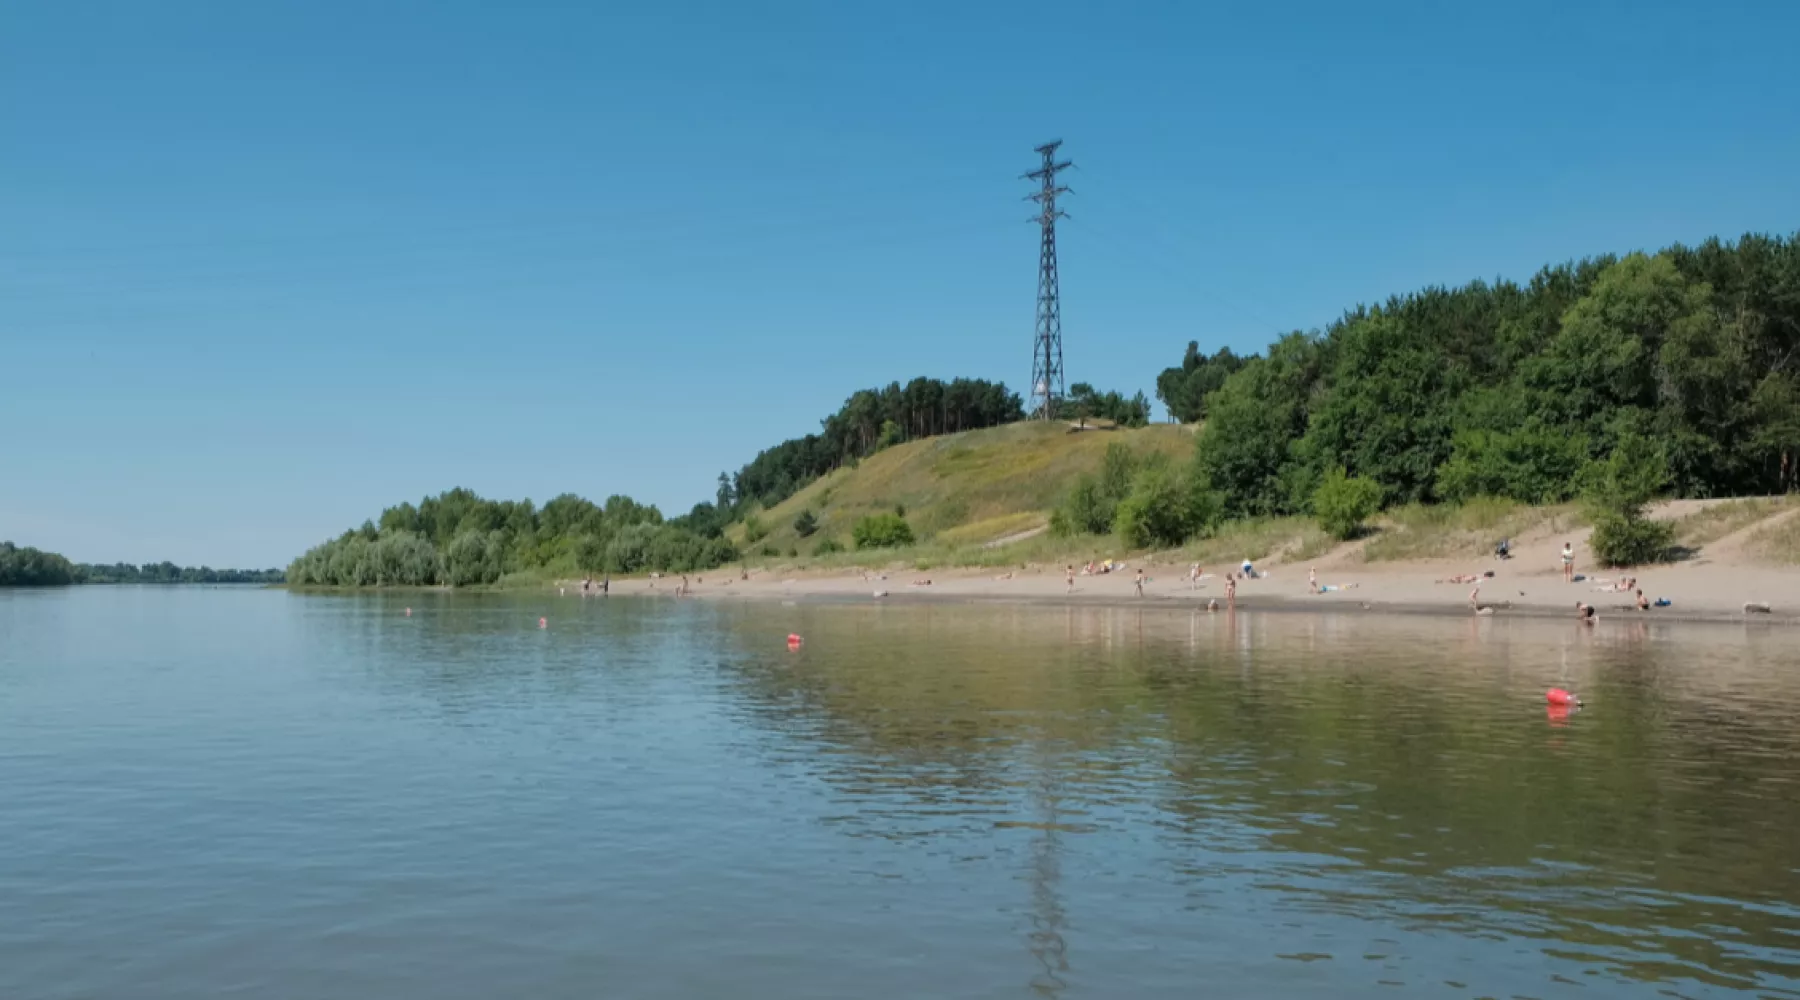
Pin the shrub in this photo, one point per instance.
(1343, 502)
(881, 531)
(754, 530)
(1164, 509)
(1617, 490)
(1630, 541)
(827, 546)
(1093, 502)
(1085, 511)
(805, 524)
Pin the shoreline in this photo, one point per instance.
(1384, 592)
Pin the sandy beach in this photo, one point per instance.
(1716, 586)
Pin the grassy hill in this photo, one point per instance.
(963, 493)
(959, 490)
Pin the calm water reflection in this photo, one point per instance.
(212, 792)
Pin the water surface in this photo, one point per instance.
(249, 793)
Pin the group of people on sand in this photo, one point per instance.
(604, 588)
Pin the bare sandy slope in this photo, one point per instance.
(1714, 586)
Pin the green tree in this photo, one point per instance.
(1619, 489)
(1343, 503)
(1164, 508)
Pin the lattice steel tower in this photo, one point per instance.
(1046, 353)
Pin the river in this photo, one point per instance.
(213, 792)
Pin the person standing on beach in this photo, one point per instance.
(1071, 578)
(1194, 577)
(1230, 591)
(1140, 581)
(606, 586)
(1568, 558)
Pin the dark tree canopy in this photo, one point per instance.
(1086, 403)
(868, 421)
(1183, 389)
(29, 567)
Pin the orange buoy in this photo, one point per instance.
(1557, 696)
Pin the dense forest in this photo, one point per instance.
(1513, 391)
(1611, 379)
(28, 567)
(458, 539)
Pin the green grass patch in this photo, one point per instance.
(956, 486)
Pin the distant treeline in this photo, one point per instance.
(1086, 403)
(29, 567)
(168, 572)
(869, 421)
(458, 539)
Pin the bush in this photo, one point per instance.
(805, 524)
(1093, 502)
(827, 546)
(1343, 502)
(1164, 509)
(881, 531)
(754, 530)
(1085, 511)
(1630, 541)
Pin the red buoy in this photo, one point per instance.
(1557, 696)
(543, 623)
(793, 639)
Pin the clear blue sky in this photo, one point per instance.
(266, 267)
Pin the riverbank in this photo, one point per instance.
(1704, 592)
